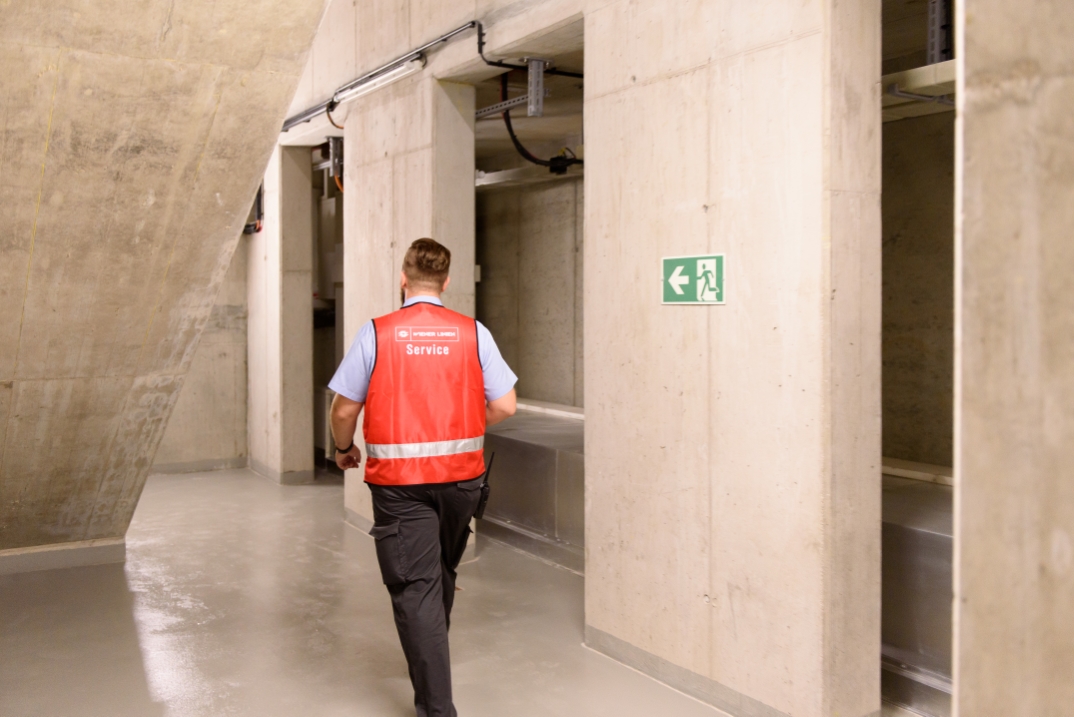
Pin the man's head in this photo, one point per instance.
(425, 268)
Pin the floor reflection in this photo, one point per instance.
(245, 598)
(69, 646)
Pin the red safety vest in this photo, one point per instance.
(425, 410)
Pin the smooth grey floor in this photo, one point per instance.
(241, 597)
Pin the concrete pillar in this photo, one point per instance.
(280, 361)
(409, 152)
(733, 452)
(1014, 374)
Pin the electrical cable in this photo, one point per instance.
(338, 183)
(557, 164)
(258, 223)
(328, 111)
(506, 65)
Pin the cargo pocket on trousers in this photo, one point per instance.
(390, 553)
(469, 495)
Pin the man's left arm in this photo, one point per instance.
(345, 414)
(499, 379)
(351, 384)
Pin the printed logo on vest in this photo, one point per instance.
(418, 334)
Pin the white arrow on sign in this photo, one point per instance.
(677, 280)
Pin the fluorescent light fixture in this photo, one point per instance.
(394, 75)
(397, 69)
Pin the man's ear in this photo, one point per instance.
(402, 280)
(445, 286)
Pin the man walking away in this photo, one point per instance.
(430, 380)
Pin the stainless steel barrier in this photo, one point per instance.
(538, 487)
(918, 547)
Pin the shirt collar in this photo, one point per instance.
(422, 300)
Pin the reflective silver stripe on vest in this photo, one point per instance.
(424, 450)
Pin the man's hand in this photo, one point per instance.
(350, 459)
(344, 425)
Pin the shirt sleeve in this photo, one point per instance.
(352, 377)
(499, 378)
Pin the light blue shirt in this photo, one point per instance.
(352, 376)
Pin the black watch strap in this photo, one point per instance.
(347, 449)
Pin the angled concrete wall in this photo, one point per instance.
(1014, 439)
(134, 137)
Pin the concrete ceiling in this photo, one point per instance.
(132, 138)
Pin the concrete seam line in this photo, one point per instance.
(533, 546)
(37, 210)
(82, 553)
(297, 477)
(679, 678)
(199, 466)
(531, 556)
(50, 547)
(673, 688)
(262, 470)
(155, 309)
(281, 477)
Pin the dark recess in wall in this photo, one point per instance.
(918, 289)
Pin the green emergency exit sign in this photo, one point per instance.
(694, 279)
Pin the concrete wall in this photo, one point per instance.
(734, 548)
(207, 429)
(133, 139)
(280, 296)
(732, 453)
(726, 117)
(919, 303)
(529, 247)
(1014, 440)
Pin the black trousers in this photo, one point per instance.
(421, 533)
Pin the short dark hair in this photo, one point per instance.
(426, 264)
